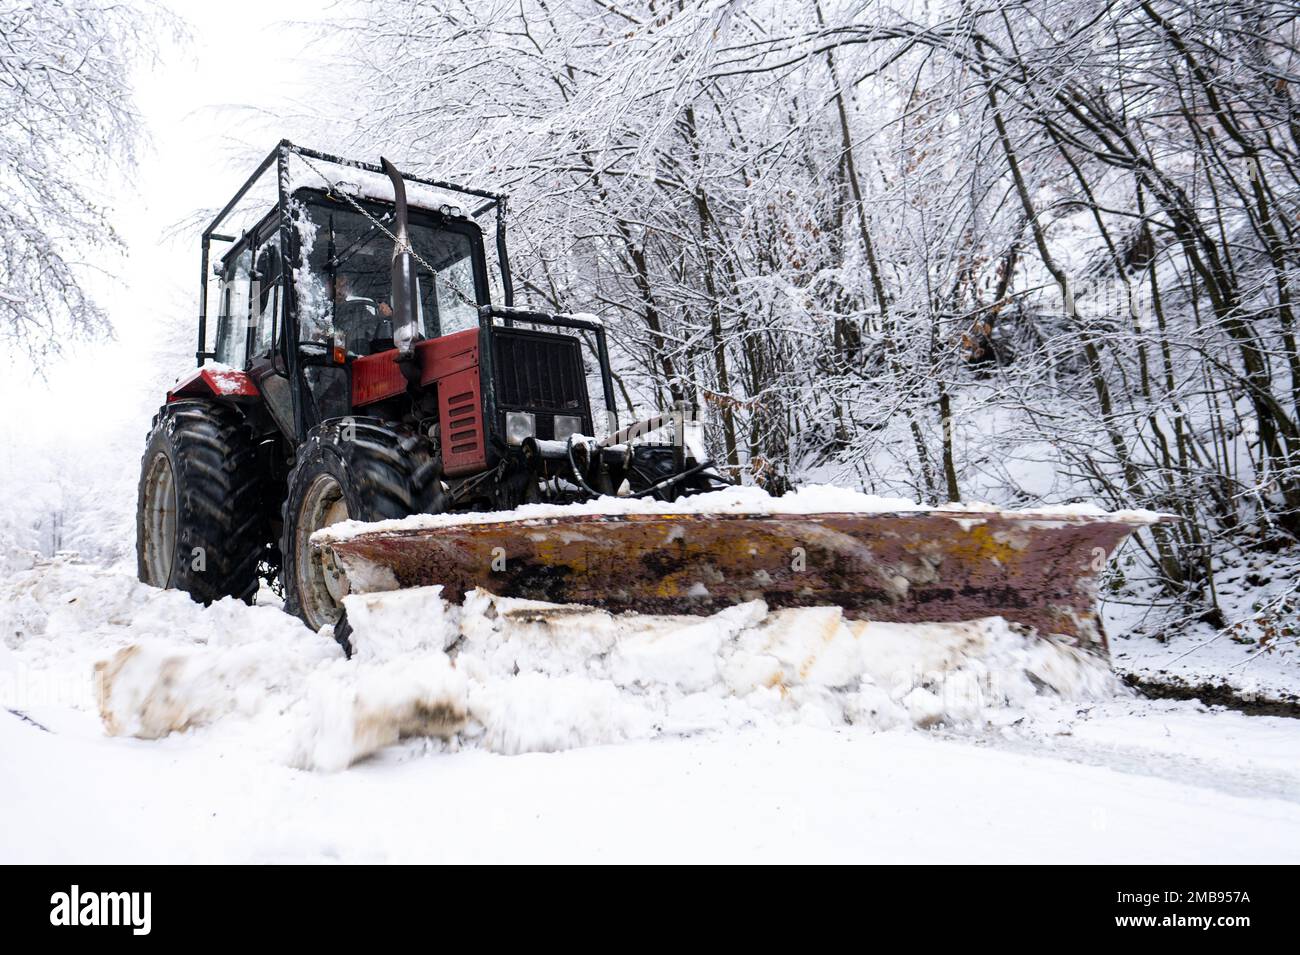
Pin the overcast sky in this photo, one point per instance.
(244, 77)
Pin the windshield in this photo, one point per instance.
(345, 290)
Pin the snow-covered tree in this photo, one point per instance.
(1021, 250)
(65, 118)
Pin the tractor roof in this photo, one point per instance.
(298, 167)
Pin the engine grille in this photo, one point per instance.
(539, 372)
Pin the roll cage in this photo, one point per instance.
(280, 157)
(277, 225)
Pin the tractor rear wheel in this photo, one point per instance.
(200, 526)
(360, 469)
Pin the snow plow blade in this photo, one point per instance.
(905, 567)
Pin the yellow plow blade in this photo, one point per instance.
(904, 567)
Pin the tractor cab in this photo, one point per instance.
(343, 277)
(319, 274)
(365, 291)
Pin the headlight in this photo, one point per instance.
(567, 424)
(520, 425)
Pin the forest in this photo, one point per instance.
(1015, 251)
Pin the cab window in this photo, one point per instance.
(233, 318)
(267, 296)
(345, 293)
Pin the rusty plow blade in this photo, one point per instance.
(904, 567)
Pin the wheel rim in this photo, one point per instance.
(159, 520)
(322, 584)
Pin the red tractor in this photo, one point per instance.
(359, 369)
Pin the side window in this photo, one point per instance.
(456, 305)
(267, 292)
(232, 323)
(312, 277)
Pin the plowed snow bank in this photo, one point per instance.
(507, 675)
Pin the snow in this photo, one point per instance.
(1205, 655)
(807, 500)
(137, 726)
(351, 712)
(1257, 655)
(509, 675)
(787, 795)
(222, 733)
(226, 380)
(367, 184)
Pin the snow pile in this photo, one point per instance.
(150, 661)
(399, 683)
(151, 690)
(639, 676)
(809, 500)
(348, 178)
(508, 676)
(351, 712)
(536, 677)
(389, 626)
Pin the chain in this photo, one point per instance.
(404, 246)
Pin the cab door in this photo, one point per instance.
(267, 295)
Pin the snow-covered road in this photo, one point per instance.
(785, 795)
(776, 739)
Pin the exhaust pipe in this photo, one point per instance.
(405, 291)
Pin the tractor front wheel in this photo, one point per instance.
(352, 468)
(200, 526)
